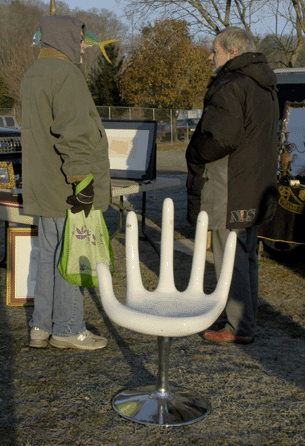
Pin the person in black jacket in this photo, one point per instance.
(232, 166)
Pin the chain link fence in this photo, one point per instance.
(173, 124)
(138, 113)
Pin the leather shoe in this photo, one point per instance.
(226, 337)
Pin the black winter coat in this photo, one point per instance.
(232, 156)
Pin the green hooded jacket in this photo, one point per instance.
(63, 139)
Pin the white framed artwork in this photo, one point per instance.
(132, 149)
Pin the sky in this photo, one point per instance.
(112, 5)
(117, 7)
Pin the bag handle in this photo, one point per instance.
(80, 186)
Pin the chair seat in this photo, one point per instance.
(176, 305)
(180, 315)
(167, 311)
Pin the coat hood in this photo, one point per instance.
(62, 33)
(255, 66)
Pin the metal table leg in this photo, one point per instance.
(144, 224)
(121, 211)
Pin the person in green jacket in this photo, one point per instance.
(63, 141)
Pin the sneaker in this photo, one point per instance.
(223, 336)
(84, 341)
(39, 338)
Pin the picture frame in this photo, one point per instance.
(7, 176)
(22, 262)
(292, 133)
(132, 149)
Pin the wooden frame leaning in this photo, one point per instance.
(22, 261)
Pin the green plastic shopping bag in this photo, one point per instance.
(86, 243)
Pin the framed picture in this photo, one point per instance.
(132, 149)
(7, 176)
(22, 261)
(292, 134)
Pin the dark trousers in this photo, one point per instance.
(241, 308)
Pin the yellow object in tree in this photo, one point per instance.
(91, 40)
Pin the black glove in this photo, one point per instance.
(83, 200)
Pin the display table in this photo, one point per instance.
(121, 188)
(11, 207)
(289, 221)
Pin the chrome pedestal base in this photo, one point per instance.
(146, 405)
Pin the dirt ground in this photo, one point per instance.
(53, 397)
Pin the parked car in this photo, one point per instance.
(8, 121)
(164, 132)
(10, 149)
(186, 128)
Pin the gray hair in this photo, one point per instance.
(234, 37)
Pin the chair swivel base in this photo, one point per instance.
(146, 405)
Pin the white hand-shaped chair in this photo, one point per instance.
(165, 313)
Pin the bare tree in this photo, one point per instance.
(299, 7)
(287, 39)
(20, 20)
(299, 25)
(284, 20)
(206, 16)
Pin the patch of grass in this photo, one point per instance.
(166, 146)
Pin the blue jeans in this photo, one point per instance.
(58, 306)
